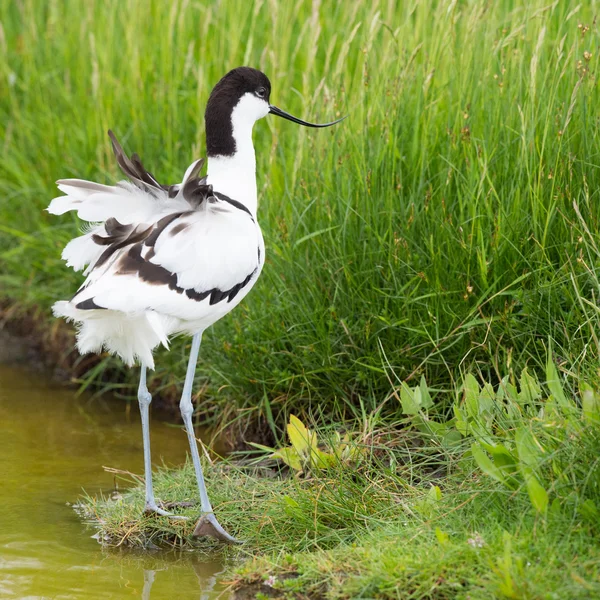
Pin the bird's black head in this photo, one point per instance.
(237, 102)
(245, 83)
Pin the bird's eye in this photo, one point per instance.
(261, 92)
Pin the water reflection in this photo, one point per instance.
(157, 582)
(52, 446)
(148, 581)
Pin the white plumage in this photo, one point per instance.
(212, 246)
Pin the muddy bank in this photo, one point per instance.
(31, 337)
(14, 349)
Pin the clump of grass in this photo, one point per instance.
(452, 557)
(390, 522)
(449, 223)
(121, 521)
(268, 512)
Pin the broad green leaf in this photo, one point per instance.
(442, 537)
(321, 460)
(460, 419)
(426, 425)
(487, 399)
(426, 401)
(528, 448)
(530, 389)
(514, 411)
(436, 428)
(417, 396)
(498, 449)
(300, 436)
(511, 393)
(506, 391)
(482, 434)
(590, 405)
(504, 460)
(537, 494)
(290, 457)
(434, 494)
(509, 468)
(486, 465)
(410, 404)
(551, 410)
(554, 384)
(506, 463)
(451, 439)
(471, 391)
(555, 507)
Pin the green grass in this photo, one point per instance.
(370, 537)
(419, 517)
(449, 224)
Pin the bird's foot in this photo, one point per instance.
(152, 509)
(208, 525)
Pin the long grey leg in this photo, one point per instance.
(208, 524)
(187, 410)
(144, 398)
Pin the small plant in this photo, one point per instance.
(520, 436)
(304, 455)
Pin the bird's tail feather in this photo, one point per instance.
(132, 337)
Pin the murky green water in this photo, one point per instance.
(52, 446)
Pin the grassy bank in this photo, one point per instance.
(502, 501)
(448, 225)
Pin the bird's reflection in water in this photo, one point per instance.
(171, 574)
(207, 574)
(148, 581)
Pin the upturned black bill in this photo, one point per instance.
(281, 113)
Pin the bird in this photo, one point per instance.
(164, 260)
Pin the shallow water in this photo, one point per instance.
(53, 445)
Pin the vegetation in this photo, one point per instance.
(500, 502)
(424, 259)
(448, 225)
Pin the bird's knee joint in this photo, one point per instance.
(144, 397)
(186, 412)
(186, 408)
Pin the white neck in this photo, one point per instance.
(235, 175)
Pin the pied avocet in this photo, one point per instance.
(165, 260)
